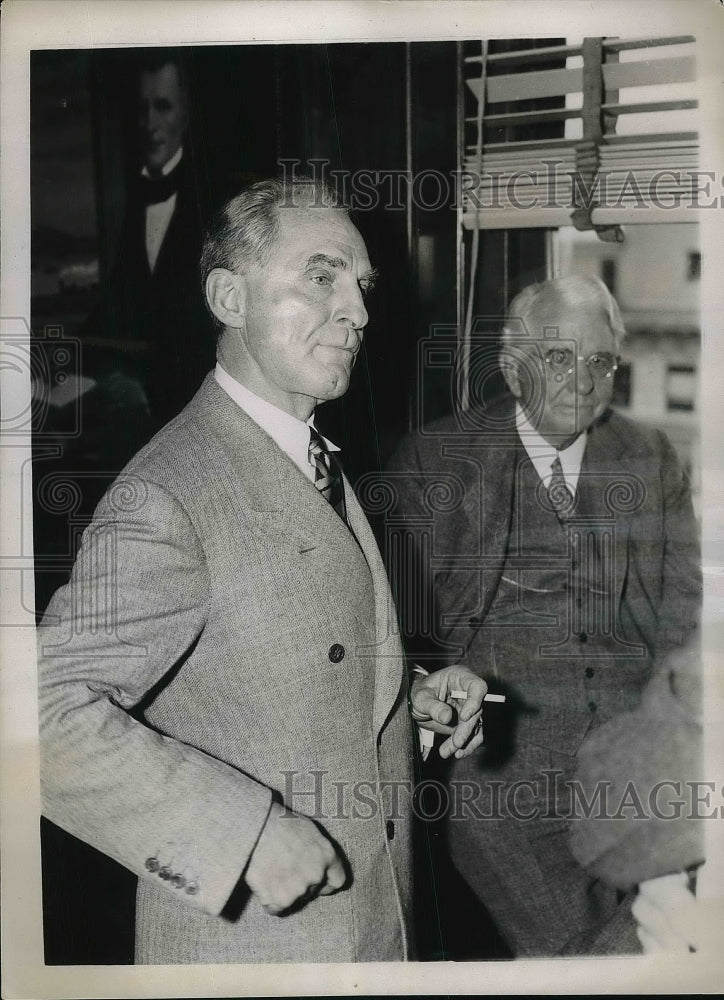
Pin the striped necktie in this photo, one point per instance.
(327, 475)
(559, 495)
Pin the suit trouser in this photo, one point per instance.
(508, 837)
(509, 820)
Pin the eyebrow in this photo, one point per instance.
(323, 258)
(367, 279)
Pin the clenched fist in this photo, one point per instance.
(292, 863)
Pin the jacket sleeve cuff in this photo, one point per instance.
(199, 834)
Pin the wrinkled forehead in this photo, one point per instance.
(584, 319)
(307, 232)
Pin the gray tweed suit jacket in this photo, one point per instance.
(459, 476)
(225, 639)
(454, 510)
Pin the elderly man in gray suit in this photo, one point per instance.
(224, 705)
(561, 559)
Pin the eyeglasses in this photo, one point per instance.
(562, 361)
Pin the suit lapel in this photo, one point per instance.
(278, 494)
(605, 471)
(389, 662)
(487, 506)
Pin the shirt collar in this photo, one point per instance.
(542, 453)
(169, 166)
(288, 432)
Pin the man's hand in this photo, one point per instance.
(292, 863)
(433, 707)
(671, 918)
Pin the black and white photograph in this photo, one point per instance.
(362, 533)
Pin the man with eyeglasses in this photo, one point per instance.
(560, 563)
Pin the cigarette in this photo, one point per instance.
(462, 695)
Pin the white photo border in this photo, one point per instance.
(52, 24)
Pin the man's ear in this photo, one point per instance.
(226, 296)
(510, 368)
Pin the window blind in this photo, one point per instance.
(620, 135)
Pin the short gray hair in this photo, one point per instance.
(568, 293)
(242, 232)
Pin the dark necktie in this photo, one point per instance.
(327, 474)
(559, 496)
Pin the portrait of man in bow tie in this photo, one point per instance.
(151, 302)
(225, 702)
(565, 564)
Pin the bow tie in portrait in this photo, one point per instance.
(155, 190)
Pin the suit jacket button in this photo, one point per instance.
(192, 888)
(152, 864)
(390, 829)
(178, 881)
(165, 873)
(336, 653)
(589, 671)
(475, 621)
(583, 637)
(592, 706)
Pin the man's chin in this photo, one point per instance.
(562, 434)
(332, 390)
(574, 420)
(156, 159)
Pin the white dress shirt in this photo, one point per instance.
(542, 454)
(158, 217)
(290, 433)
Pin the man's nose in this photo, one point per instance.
(148, 119)
(584, 380)
(351, 310)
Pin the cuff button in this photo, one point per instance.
(165, 873)
(192, 888)
(152, 864)
(178, 881)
